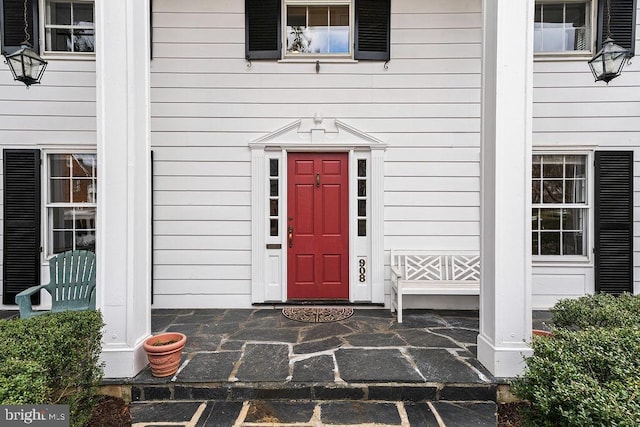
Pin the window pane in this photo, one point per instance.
(362, 227)
(318, 16)
(572, 243)
(61, 14)
(534, 244)
(60, 39)
(535, 190)
(59, 190)
(535, 217)
(83, 14)
(273, 207)
(575, 166)
(552, 166)
(575, 191)
(59, 165)
(552, 191)
(572, 219)
(62, 241)
(575, 14)
(535, 167)
(86, 240)
(273, 192)
(273, 167)
(362, 168)
(550, 243)
(83, 191)
(83, 41)
(362, 208)
(62, 218)
(339, 16)
(362, 188)
(550, 219)
(553, 13)
(296, 16)
(85, 218)
(273, 228)
(83, 165)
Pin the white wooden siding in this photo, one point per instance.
(207, 105)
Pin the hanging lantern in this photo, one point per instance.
(607, 64)
(26, 65)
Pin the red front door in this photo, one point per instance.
(318, 226)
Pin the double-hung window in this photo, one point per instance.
(560, 205)
(318, 29)
(71, 202)
(69, 26)
(563, 26)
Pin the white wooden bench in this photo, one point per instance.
(416, 272)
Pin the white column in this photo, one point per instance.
(505, 290)
(124, 211)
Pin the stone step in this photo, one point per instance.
(314, 413)
(416, 392)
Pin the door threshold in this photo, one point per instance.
(315, 303)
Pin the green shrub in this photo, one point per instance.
(59, 352)
(602, 310)
(579, 378)
(22, 382)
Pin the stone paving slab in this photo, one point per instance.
(314, 413)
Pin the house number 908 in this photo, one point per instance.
(362, 270)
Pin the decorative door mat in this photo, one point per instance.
(317, 314)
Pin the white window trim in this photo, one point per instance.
(44, 190)
(58, 54)
(566, 260)
(313, 57)
(579, 55)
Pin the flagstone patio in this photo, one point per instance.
(260, 354)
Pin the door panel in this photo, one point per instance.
(317, 224)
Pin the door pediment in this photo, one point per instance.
(320, 132)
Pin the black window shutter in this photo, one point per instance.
(614, 221)
(262, 29)
(373, 30)
(21, 243)
(622, 26)
(12, 24)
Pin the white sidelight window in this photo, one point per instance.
(563, 26)
(560, 202)
(71, 202)
(69, 26)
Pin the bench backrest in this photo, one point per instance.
(433, 266)
(72, 279)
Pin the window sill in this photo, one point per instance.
(561, 56)
(69, 56)
(325, 60)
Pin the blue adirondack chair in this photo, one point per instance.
(72, 284)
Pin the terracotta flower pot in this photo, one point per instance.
(541, 333)
(164, 352)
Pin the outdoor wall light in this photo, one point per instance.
(607, 64)
(25, 63)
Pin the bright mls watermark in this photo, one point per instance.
(34, 415)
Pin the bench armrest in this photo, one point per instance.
(23, 299)
(396, 271)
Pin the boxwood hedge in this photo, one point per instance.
(52, 359)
